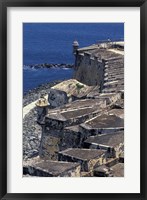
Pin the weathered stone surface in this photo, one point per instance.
(112, 161)
(87, 67)
(117, 112)
(110, 98)
(58, 140)
(75, 89)
(74, 113)
(47, 168)
(121, 157)
(119, 104)
(113, 143)
(88, 158)
(42, 109)
(68, 125)
(104, 123)
(101, 171)
(31, 135)
(87, 174)
(57, 98)
(98, 62)
(118, 170)
(49, 147)
(36, 93)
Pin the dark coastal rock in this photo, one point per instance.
(50, 65)
(31, 135)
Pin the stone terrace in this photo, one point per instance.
(74, 113)
(88, 158)
(114, 75)
(48, 168)
(104, 123)
(113, 143)
(118, 170)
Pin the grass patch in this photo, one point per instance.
(79, 86)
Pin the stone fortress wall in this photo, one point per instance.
(83, 120)
(92, 63)
(87, 67)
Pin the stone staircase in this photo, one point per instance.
(113, 75)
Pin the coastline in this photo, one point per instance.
(34, 94)
(50, 65)
(31, 135)
(31, 130)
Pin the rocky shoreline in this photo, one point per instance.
(50, 65)
(31, 130)
(31, 135)
(34, 94)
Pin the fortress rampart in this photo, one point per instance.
(92, 63)
(83, 122)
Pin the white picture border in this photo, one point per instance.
(130, 183)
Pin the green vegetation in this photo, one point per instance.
(79, 86)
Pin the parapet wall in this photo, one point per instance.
(89, 70)
(92, 64)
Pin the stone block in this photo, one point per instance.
(113, 143)
(88, 158)
(57, 98)
(117, 170)
(103, 123)
(101, 171)
(74, 113)
(46, 168)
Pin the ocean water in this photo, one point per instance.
(52, 43)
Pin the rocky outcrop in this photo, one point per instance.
(57, 98)
(50, 65)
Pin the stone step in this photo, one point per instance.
(113, 74)
(113, 142)
(114, 70)
(111, 90)
(101, 171)
(113, 85)
(74, 113)
(121, 157)
(114, 65)
(87, 174)
(114, 59)
(111, 68)
(118, 72)
(87, 158)
(47, 168)
(112, 161)
(102, 124)
(109, 169)
(114, 79)
(117, 170)
(109, 98)
(110, 84)
(119, 60)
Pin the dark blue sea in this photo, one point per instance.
(52, 43)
